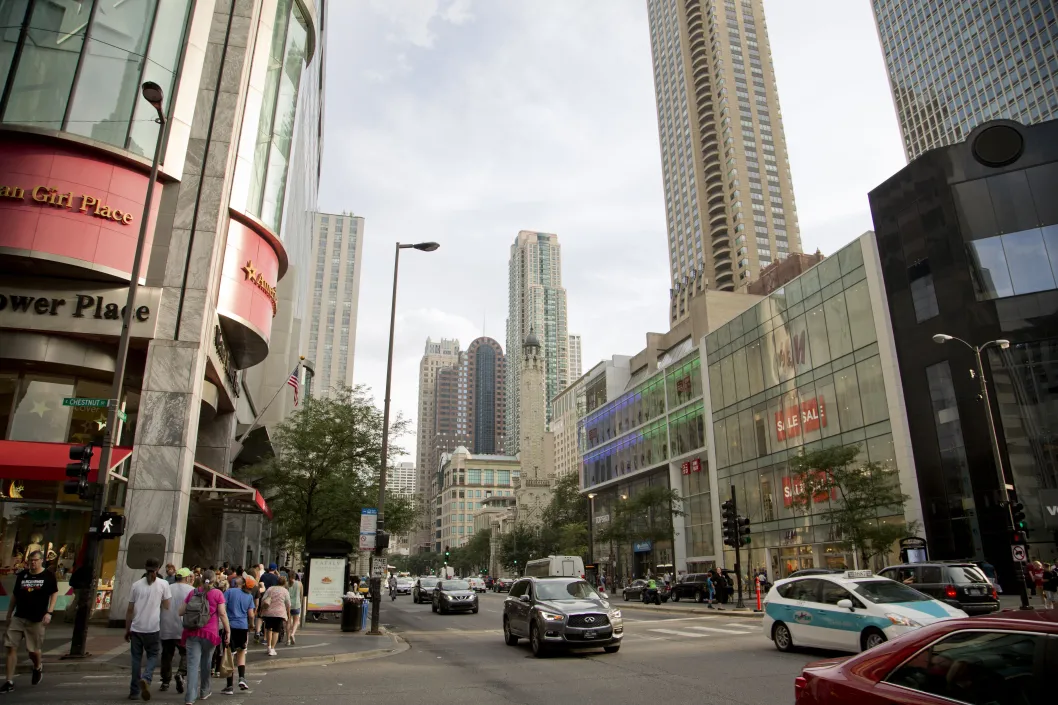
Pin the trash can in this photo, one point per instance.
(351, 621)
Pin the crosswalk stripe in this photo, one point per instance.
(719, 630)
(675, 632)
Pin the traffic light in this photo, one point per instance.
(727, 512)
(1017, 513)
(1019, 538)
(743, 531)
(381, 540)
(78, 471)
(447, 553)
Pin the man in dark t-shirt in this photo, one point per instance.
(32, 603)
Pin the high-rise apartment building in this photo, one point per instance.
(485, 387)
(955, 65)
(537, 303)
(330, 338)
(437, 355)
(402, 479)
(729, 201)
(574, 357)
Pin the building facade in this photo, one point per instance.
(226, 240)
(953, 66)
(575, 357)
(464, 482)
(484, 387)
(402, 479)
(437, 355)
(602, 383)
(537, 303)
(729, 203)
(969, 240)
(536, 449)
(329, 338)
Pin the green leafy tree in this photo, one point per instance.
(645, 516)
(325, 469)
(859, 493)
(518, 545)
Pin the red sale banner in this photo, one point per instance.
(686, 468)
(810, 415)
(792, 487)
(696, 465)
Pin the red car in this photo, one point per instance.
(1007, 658)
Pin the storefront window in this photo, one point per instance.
(684, 383)
(39, 414)
(727, 370)
(12, 12)
(720, 443)
(850, 415)
(755, 368)
(741, 373)
(839, 334)
(872, 391)
(687, 431)
(716, 386)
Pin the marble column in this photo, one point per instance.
(166, 440)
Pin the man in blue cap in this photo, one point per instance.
(268, 579)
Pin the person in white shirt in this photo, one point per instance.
(173, 630)
(149, 596)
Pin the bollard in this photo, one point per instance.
(757, 581)
(365, 611)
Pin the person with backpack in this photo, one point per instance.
(148, 598)
(173, 630)
(203, 612)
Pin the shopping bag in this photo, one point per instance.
(227, 663)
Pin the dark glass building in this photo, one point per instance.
(486, 386)
(968, 238)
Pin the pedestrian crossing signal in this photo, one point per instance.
(111, 525)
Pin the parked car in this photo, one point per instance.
(404, 586)
(961, 585)
(693, 587)
(423, 590)
(853, 611)
(454, 596)
(476, 584)
(635, 589)
(489, 580)
(560, 613)
(1000, 658)
(502, 584)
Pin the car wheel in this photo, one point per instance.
(872, 638)
(508, 638)
(675, 597)
(780, 634)
(475, 610)
(698, 596)
(625, 593)
(433, 606)
(536, 642)
(612, 649)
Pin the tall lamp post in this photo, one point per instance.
(380, 546)
(153, 94)
(1004, 487)
(591, 534)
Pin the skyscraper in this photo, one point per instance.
(574, 366)
(729, 201)
(485, 386)
(955, 65)
(330, 338)
(437, 356)
(537, 303)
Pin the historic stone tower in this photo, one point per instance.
(533, 491)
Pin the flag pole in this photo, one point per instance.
(236, 446)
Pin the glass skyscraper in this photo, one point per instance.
(954, 64)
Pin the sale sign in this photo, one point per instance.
(696, 465)
(794, 486)
(810, 415)
(686, 468)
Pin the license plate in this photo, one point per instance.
(974, 591)
(590, 634)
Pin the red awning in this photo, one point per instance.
(233, 495)
(28, 460)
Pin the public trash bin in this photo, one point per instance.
(351, 621)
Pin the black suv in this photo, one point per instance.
(693, 586)
(454, 596)
(961, 585)
(560, 612)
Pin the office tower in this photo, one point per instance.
(729, 201)
(330, 338)
(955, 65)
(485, 388)
(437, 355)
(574, 357)
(537, 303)
(402, 479)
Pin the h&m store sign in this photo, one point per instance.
(61, 308)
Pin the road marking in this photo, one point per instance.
(493, 611)
(674, 632)
(664, 621)
(720, 631)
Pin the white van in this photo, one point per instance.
(555, 567)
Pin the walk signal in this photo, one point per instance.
(111, 525)
(78, 471)
(743, 531)
(1019, 538)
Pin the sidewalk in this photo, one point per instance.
(317, 644)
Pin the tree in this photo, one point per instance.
(325, 469)
(518, 545)
(645, 516)
(857, 491)
(477, 551)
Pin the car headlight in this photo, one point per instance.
(615, 614)
(552, 617)
(448, 597)
(900, 620)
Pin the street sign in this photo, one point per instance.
(111, 525)
(1019, 553)
(122, 415)
(368, 528)
(378, 567)
(86, 402)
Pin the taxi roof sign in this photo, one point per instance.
(857, 574)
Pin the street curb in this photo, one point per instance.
(687, 610)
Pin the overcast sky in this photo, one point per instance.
(465, 121)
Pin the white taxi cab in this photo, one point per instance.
(850, 611)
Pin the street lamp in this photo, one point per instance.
(1004, 487)
(376, 580)
(591, 533)
(154, 95)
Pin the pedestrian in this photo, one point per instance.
(1050, 586)
(602, 582)
(296, 591)
(710, 587)
(203, 614)
(271, 576)
(148, 598)
(28, 613)
(239, 604)
(1036, 575)
(275, 609)
(218, 653)
(170, 573)
(173, 629)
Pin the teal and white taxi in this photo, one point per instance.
(850, 611)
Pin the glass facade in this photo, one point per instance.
(81, 65)
(799, 370)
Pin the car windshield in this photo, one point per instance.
(456, 585)
(573, 590)
(963, 574)
(427, 582)
(885, 592)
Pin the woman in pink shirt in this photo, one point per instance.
(201, 642)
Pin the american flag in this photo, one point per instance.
(295, 383)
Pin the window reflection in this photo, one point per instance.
(1014, 264)
(39, 414)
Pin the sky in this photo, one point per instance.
(465, 121)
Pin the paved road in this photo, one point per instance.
(461, 658)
